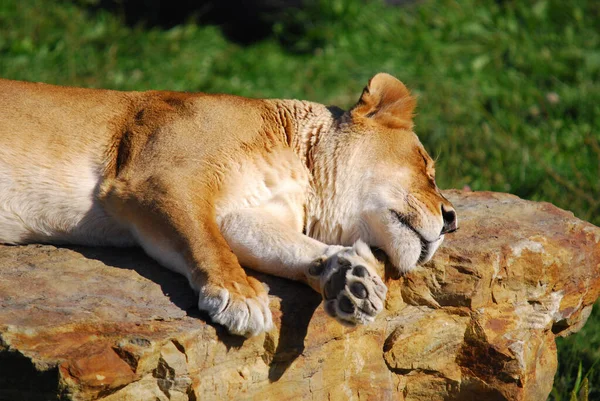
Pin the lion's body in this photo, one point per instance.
(51, 162)
(58, 145)
(206, 182)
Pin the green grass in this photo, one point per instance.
(509, 91)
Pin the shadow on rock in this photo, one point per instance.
(173, 285)
(298, 304)
(20, 380)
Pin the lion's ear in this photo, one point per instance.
(386, 100)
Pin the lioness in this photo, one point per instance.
(206, 183)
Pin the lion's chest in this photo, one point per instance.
(277, 181)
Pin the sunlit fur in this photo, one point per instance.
(389, 171)
(205, 183)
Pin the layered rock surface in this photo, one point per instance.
(477, 322)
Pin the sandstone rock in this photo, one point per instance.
(477, 323)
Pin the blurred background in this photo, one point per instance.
(508, 91)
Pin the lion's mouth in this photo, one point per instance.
(425, 244)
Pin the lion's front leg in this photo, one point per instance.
(347, 277)
(181, 233)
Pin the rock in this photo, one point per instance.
(477, 322)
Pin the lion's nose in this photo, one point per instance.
(449, 216)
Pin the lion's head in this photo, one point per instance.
(376, 182)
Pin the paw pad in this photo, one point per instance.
(346, 305)
(359, 290)
(336, 283)
(316, 269)
(360, 271)
(352, 290)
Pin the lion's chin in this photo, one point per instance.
(429, 249)
(407, 252)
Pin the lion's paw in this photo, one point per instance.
(242, 315)
(353, 292)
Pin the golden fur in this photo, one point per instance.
(205, 183)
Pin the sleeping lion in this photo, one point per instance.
(208, 183)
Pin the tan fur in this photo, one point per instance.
(206, 182)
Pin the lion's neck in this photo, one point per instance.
(305, 124)
(316, 140)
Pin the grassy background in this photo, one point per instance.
(509, 91)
